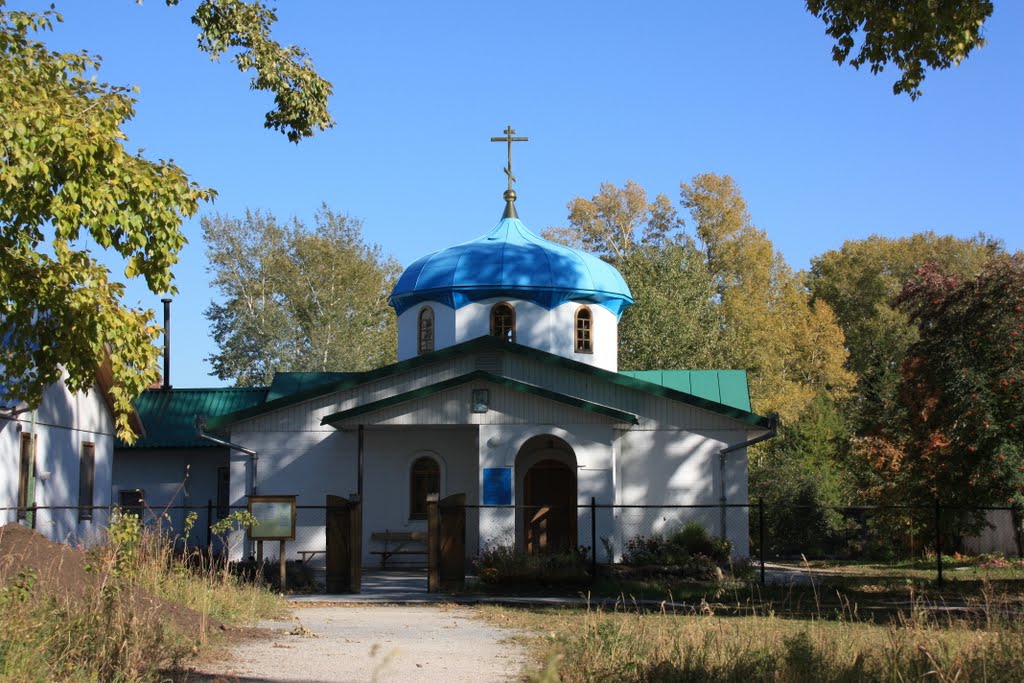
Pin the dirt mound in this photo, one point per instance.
(60, 571)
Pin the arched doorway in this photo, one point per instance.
(548, 495)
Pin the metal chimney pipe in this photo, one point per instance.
(167, 344)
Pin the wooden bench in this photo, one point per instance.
(307, 554)
(399, 543)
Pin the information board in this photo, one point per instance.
(275, 516)
(497, 486)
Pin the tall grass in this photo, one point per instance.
(193, 578)
(922, 644)
(113, 630)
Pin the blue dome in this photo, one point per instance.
(511, 262)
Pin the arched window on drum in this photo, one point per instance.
(584, 330)
(503, 322)
(425, 335)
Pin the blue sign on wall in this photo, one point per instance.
(497, 486)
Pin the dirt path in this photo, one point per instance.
(382, 643)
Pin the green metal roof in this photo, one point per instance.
(288, 383)
(169, 414)
(476, 376)
(728, 387)
(495, 344)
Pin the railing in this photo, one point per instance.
(907, 536)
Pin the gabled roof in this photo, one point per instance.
(477, 376)
(493, 344)
(169, 414)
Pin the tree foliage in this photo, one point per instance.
(728, 299)
(297, 299)
(300, 94)
(615, 221)
(806, 465)
(913, 35)
(673, 322)
(962, 384)
(791, 347)
(66, 179)
(861, 281)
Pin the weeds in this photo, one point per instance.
(984, 642)
(121, 627)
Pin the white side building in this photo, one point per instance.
(56, 461)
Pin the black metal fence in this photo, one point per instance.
(908, 537)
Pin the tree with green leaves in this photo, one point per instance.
(806, 465)
(860, 282)
(296, 298)
(913, 35)
(66, 178)
(673, 322)
(243, 27)
(791, 346)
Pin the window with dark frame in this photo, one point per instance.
(426, 330)
(223, 492)
(131, 501)
(424, 478)
(503, 322)
(25, 473)
(86, 477)
(584, 330)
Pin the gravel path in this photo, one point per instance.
(382, 643)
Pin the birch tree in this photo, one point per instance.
(295, 298)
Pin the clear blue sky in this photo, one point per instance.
(655, 92)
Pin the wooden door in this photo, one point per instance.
(549, 499)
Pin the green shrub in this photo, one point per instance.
(681, 548)
(693, 539)
(504, 564)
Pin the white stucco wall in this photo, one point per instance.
(553, 331)
(63, 422)
(309, 465)
(680, 467)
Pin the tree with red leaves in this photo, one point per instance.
(962, 385)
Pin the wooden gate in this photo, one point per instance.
(344, 544)
(446, 542)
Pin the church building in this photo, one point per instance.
(506, 390)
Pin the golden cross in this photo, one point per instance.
(509, 133)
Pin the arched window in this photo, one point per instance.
(584, 330)
(424, 478)
(503, 322)
(426, 330)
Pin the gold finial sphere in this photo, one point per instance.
(510, 195)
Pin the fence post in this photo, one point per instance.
(209, 525)
(760, 535)
(593, 538)
(938, 538)
(433, 544)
